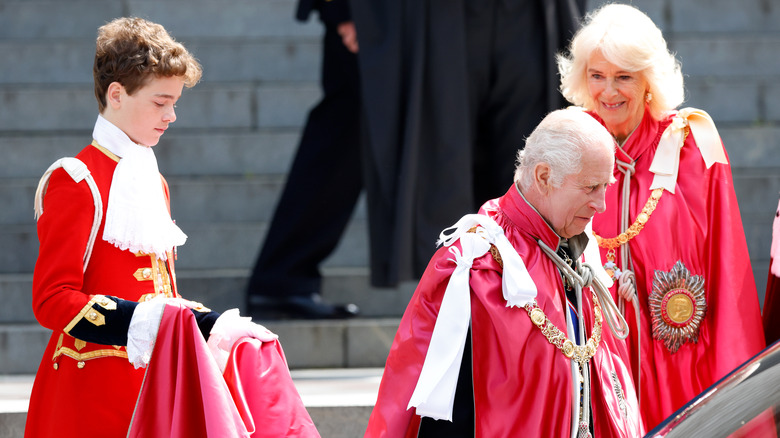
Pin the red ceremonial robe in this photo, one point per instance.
(522, 383)
(771, 313)
(87, 389)
(183, 377)
(256, 398)
(699, 225)
(260, 382)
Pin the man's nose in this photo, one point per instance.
(599, 202)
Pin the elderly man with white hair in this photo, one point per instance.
(511, 331)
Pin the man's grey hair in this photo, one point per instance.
(560, 141)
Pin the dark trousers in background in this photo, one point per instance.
(506, 55)
(322, 187)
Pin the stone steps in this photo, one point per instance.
(729, 100)
(719, 54)
(712, 16)
(279, 105)
(185, 19)
(222, 289)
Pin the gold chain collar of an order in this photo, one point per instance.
(580, 353)
(636, 227)
(632, 231)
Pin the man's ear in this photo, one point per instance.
(542, 174)
(114, 95)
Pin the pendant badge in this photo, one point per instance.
(677, 306)
(611, 267)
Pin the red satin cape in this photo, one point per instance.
(700, 225)
(522, 383)
(184, 394)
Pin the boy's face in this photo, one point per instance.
(145, 115)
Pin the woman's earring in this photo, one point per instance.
(648, 97)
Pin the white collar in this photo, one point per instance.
(137, 216)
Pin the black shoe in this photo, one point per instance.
(298, 307)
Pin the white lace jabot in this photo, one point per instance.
(137, 217)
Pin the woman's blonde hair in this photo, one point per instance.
(630, 40)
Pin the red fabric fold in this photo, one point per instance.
(771, 307)
(183, 394)
(262, 388)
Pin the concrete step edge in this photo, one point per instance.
(338, 400)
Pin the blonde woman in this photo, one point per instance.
(672, 235)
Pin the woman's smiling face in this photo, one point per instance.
(619, 95)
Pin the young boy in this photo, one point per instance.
(105, 267)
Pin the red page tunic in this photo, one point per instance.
(84, 389)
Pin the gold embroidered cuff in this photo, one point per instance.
(116, 351)
(90, 314)
(105, 302)
(96, 318)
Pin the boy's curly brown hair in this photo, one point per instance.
(132, 50)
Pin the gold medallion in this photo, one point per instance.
(537, 317)
(677, 306)
(590, 347)
(579, 353)
(568, 348)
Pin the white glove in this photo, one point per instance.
(144, 325)
(229, 328)
(142, 333)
